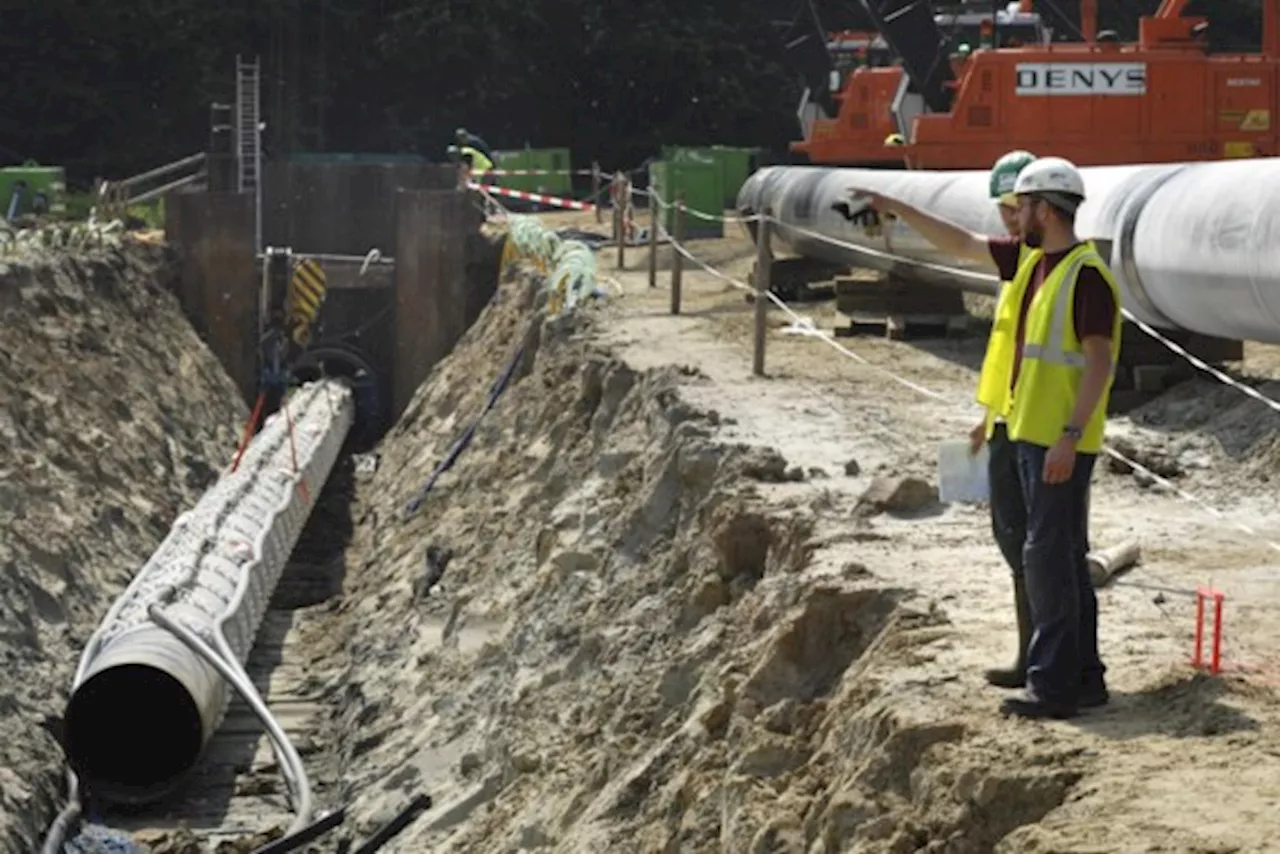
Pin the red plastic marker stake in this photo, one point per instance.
(1204, 594)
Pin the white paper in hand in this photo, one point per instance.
(962, 476)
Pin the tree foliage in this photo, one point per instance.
(113, 88)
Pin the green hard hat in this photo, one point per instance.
(1005, 173)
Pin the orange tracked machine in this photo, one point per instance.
(1097, 101)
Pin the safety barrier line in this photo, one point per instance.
(807, 324)
(1246, 652)
(539, 172)
(555, 201)
(801, 323)
(1146, 328)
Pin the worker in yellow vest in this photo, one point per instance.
(1049, 368)
(477, 163)
(1008, 512)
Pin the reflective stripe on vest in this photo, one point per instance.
(1052, 361)
(1055, 351)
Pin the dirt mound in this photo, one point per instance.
(114, 417)
(621, 654)
(1210, 429)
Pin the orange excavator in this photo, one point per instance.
(1098, 101)
(908, 63)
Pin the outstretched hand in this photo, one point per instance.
(875, 201)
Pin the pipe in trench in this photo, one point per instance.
(1194, 246)
(144, 706)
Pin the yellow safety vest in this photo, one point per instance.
(479, 163)
(1052, 359)
(997, 365)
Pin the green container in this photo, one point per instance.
(735, 164)
(702, 184)
(555, 160)
(43, 190)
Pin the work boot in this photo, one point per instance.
(1093, 692)
(1016, 676)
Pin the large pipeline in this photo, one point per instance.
(144, 704)
(1195, 246)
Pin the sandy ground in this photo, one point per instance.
(658, 635)
(1168, 756)
(114, 417)
(661, 605)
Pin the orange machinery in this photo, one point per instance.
(1098, 102)
(866, 90)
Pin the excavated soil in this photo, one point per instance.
(662, 605)
(113, 418)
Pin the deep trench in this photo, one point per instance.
(206, 796)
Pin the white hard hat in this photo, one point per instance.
(1050, 175)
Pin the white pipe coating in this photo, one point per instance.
(143, 705)
(1195, 246)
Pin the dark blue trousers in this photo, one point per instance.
(1008, 508)
(1063, 656)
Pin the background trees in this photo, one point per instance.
(111, 88)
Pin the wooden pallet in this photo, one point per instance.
(799, 279)
(878, 293)
(900, 327)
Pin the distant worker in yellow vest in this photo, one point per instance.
(476, 161)
(466, 139)
(1008, 511)
(1063, 308)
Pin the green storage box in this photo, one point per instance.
(702, 185)
(42, 190)
(735, 164)
(554, 160)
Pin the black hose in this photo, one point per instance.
(310, 833)
(391, 829)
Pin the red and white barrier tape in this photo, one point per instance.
(540, 172)
(554, 201)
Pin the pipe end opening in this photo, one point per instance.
(132, 732)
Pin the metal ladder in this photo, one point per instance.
(248, 143)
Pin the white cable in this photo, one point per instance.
(1128, 315)
(291, 766)
(1109, 451)
(1216, 373)
(1173, 346)
(709, 217)
(807, 324)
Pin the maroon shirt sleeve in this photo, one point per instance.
(1004, 252)
(1094, 308)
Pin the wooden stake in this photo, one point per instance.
(653, 241)
(677, 260)
(620, 204)
(595, 192)
(764, 258)
(615, 211)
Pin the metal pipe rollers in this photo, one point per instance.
(143, 705)
(1195, 246)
